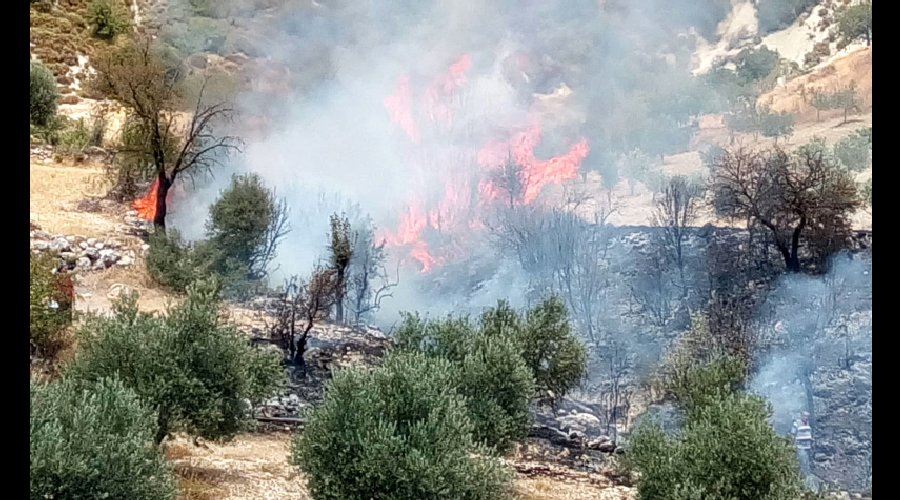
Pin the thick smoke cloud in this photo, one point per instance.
(332, 145)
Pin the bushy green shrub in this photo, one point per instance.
(244, 227)
(193, 370)
(775, 124)
(712, 155)
(50, 308)
(853, 151)
(489, 372)
(855, 22)
(171, 263)
(399, 432)
(93, 441)
(725, 448)
(555, 355)
(701, 384)
(43, 94)
(107, 19)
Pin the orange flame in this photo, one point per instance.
(452, 215)
(146, 206)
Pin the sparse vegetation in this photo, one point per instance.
(94, 441)
(406, 414)
(193, 371)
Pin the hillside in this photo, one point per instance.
(425, 127)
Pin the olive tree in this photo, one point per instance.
(193, 371)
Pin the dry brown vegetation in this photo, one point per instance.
(795, 96)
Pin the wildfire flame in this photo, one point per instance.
(455, 211)
(146, 205)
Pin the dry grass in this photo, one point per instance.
(96, 290)
(56, 189)
(252, 467)
(542, 488)
(255, 467)
(796, 95)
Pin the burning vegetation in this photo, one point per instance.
(503, 169)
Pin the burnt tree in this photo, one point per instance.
(137, 76)
(302, 304)
(675, 210)
(790, 195)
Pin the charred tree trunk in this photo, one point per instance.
(793, 260)
(162, 191)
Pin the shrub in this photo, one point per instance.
(244, 227)
(726, 449)
(557, 359)
(94, 441)
(700, 385)
(855, 22)
(776, 124)
(194, 371)
(753, 65)
(106, 19)
(44, 94)
(170, 262)
(853, 151)
(489, 372)
(50, 308)
(399, 432)
(712, 155)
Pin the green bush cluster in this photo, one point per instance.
(241, 233)
(107, 19)
(725, 447)
(50, 309)
(94, 441)
(44, 93)
(489, 372)
(400, 432)
(195, 372)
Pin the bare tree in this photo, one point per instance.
(137, 76)
(786, 194)
(676, 210)
(278, 228)
(368, 282)
(302, 304)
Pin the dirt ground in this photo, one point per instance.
(255, 467)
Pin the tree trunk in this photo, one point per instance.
(339, 303)
(162, 191)
(793, 261)
(162, 425)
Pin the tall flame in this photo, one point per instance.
(146, 206)
(449, 216)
